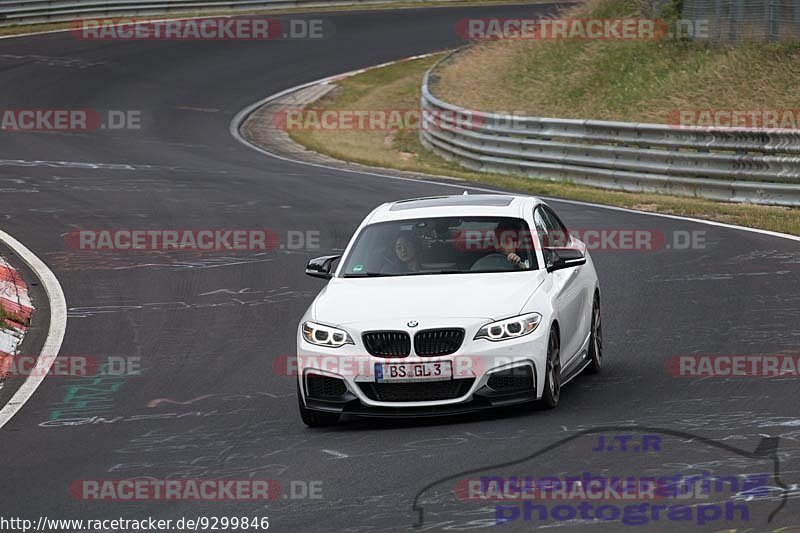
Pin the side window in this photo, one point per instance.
(552, 232)
(559, 235)
(541, 227)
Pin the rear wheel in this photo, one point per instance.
(552, 381)
(314, 418)
(595, 341)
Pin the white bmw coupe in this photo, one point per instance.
(449, 304)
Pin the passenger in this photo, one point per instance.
(405, 250)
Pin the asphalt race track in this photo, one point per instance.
(210, 329)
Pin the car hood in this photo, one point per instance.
(489, 296)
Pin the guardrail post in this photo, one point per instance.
(736, 20)
(771, 21)
(739, 14)
(797, 20)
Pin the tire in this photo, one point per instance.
(595, 341)
(314, 419)
(552, 380)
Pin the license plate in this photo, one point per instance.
(407, 372)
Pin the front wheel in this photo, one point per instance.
(314, 419)
(595, 341)
(552, 381)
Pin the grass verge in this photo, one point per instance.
(632, 81)
(398, 87)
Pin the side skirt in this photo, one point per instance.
(577, 363)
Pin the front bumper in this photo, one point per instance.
(485, 375)
(482, 399)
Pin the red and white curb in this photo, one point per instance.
(55, 331)
(16, 315)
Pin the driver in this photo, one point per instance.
(508, 242)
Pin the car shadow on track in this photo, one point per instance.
(574, 397)
(358, 423)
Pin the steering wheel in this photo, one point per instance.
(493, 261)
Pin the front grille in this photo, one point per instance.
(387, 343)
(324, 387)
(417, 392)
(512, 380)
(436, 342)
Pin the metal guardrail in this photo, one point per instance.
(21, 12)
(761, 167)
(746, 20)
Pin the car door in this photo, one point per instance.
(567, 291)
(585, 277)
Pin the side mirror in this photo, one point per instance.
(321, 266)
(560, 258)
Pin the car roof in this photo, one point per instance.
(454, 205)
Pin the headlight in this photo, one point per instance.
(510, 328)
(325, 335)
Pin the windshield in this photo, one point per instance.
(450, 245)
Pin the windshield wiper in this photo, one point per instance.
(370, 275)
(444, 271)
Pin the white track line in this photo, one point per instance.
(338, 455)
(55, 335)
(242, 115)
